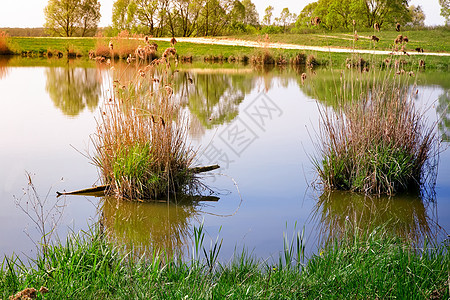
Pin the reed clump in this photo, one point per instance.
(299, 59)
(262, 58)
(140, 144)
(379, 144)
(4, 48)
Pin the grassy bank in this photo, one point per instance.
(373, 266)
(40, 46)
(436, 40)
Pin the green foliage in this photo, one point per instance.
(417, 17)
(72, 17)
(133, 165)
(267, 19)
(341, 13)
(445, 10)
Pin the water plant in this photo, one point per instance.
(377, 142)
(140, 144)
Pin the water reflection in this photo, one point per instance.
(444, 113)
(214, 97)
(73, 89)
(4, 66)
(402, 216)
(145, 227)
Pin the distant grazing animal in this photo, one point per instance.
(419, 49)
(376, 26)
(397, 27)
(398, 39)
(374, 38)
(317, 21)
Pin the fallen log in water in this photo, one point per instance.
(100, 189)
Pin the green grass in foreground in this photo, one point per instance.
(373, 266)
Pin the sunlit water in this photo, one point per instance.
(259, 126)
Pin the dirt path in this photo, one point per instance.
(236, 42)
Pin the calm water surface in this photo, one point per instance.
(260, 126)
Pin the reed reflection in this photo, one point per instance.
(402, 216)
(4, 66)
(148, 227)
(73, 89)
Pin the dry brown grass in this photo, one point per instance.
(4, 48)
(120, 46)
(140, 144)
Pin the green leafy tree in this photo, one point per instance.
(69, 17)
(147, 13)
(237, 16)
(251, 14)
(90, 17)
(341, 13)
(417, 16)
(445, 10)
(285, 18)
(182, 16)
(385, 11)
(267, 19)
(305, 16)
(122, 16)
(215, 16)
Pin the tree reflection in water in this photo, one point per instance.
(214, 98)
(444, 114)
(73, 89)
(4, 66)
(402, 216)
(149, 227)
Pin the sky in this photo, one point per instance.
(30, 13)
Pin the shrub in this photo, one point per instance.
(4, 49)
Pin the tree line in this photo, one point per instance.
(183, 17)
(344, 14)
(221, 17)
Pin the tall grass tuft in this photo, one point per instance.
(140, 143)
(120, 46)
(379, 144)
(263, 57)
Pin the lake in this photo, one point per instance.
(260, 126)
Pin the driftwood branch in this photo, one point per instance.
(197, 170)
(100, 189)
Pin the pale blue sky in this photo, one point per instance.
(30, 13)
